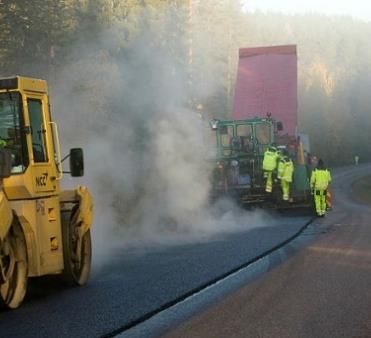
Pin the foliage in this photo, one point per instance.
(198, 42)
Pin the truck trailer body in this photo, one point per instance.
(267, 83)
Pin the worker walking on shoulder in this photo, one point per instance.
(319, 182)
(286, 177)
(356, 159)
(269, 165)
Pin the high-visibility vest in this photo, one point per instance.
(280, 167)
(270, 160)
(320, 179)
(288, 170)
(3, 143)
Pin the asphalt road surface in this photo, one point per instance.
(138, 280)
(322, 291)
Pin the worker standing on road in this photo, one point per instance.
(280, 162)
(356, 159)
(319, 182)
(286, 178)
(269, 165)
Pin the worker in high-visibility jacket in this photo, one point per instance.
(269, 165)
(319, 182)
(280, 163)
(356, 159)
(286, 177)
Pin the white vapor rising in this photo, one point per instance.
(144, 155)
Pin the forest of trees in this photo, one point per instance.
(195, 42)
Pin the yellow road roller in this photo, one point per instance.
(43, 230)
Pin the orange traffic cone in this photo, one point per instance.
(328, 199)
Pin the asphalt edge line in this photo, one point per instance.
(206, 285)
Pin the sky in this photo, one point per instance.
(359, 9)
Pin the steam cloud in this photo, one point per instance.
(144, 155)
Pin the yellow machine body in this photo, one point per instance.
(32, 196)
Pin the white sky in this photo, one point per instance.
(359, 9)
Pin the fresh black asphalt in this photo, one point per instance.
(136, 281)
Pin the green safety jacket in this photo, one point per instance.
(288, 170)
(270, 160)
(320, 179)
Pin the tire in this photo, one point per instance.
(13, 290)
(75, 273)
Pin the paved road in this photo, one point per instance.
(138, 280)
(323, 291)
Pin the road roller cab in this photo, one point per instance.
(43, 230)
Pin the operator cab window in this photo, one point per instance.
(244, 130)
(11, 137)
(226, 134)
(245, 135)
(263, 133)
(37, 130)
